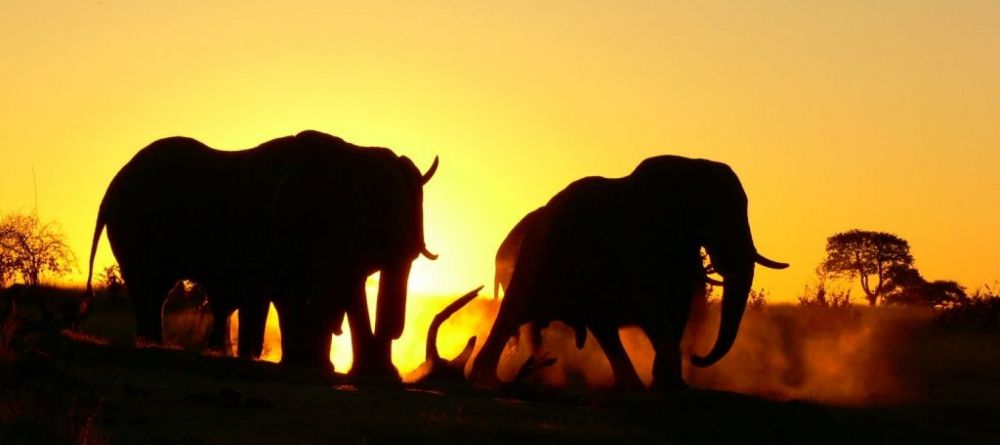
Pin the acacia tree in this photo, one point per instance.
(871, 257)
(29, 248)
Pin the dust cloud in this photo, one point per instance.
(839, 355)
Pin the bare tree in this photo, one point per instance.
(30, 248)
(7, 259)
(871, 257)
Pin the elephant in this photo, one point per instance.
(506, 256)
(300, 220)
(610, 252)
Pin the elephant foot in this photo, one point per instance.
(146, 342)
(249, 357)
(630, 385)
(215, 352)
(374, 373)
(670, 385)
(377, 367)
(484, 379)
(308, 361)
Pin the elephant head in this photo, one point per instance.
(716, 204)
(404, 242)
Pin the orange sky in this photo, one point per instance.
(836, 116)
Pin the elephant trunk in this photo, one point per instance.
(734, 303)
(391, 309)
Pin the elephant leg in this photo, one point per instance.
(220, 304)
(372, 358)
(147, 303)
(253, 320)
(287, 324)
(624, 372)
(218, 338)
(667, 362)
(294, 323)
(484, 366)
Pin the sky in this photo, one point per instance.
(835, 115)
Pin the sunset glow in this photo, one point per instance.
(834, 116)
(576, 155)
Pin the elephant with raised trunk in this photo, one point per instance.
(300, 220)
(605, 253)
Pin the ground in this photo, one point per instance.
(85, 389)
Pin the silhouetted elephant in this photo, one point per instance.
(301, 220)
(605, 253)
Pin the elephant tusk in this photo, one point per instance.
(430, 172)
(426, 253)
(763, 261)
(714, 282)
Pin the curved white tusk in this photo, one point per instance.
(763, 261)
(426, 253)
(430, 172)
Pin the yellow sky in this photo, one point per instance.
(836, 115)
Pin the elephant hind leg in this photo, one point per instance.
(218, 337)
(624, 372)
(147, 303)
(253, 320)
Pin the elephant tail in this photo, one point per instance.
(89, 297)
(432, 351)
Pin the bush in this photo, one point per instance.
(979, 311)
(820, 297)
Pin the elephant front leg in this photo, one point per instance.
(390, 318)
(667, 362)
(372, 357)
(624, 372)
(304, 341)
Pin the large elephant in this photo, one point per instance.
(301, 220)
(606, 253)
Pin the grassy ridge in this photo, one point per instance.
(97, 388)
